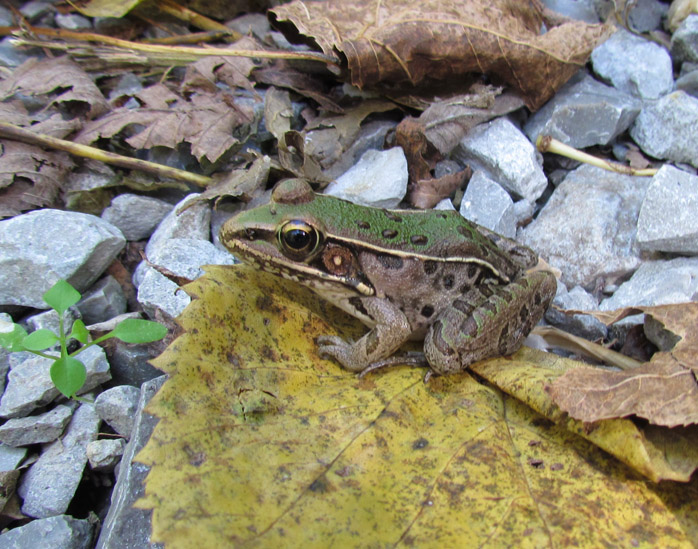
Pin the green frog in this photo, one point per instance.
(407, 275)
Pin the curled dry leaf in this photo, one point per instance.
(261, 443)
(242, 183)
(30, 177)
(398, 43)
(664, 390)
(424, 191)
(41, 78)
(211, 123)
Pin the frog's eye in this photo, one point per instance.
(299, 240)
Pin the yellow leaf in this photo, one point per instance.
(263, 444)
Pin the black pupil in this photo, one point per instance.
(297, 238)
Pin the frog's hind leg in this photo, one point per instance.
(495, 325)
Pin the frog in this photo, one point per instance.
(409, 275)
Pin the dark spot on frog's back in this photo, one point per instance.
(389, 233)
(448, 281)
(430, 267)
(390, 261)
(419, 240)
(392, 216)
(427, 311)
(363, 225)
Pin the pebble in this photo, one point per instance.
(664, 129)
(192, 223)
(634, 65)
(358, 184)
(503, 152)
(103, 301)
(486, 203)
(117, 407)
(587, 227)
(578, 299)
(50, 483)
(582, 10)
(11, 458)
(125, 526)
(657, 283)
(583, 113)
(135, 215)
(129, 363)
(59, 532)
(104, 455)
(40, 247)
(671, 195)
(684, 42)
(183, 257)
(29, 384)
(45, 427)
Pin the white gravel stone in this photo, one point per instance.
(668, 219)
(45, 427)
(40, 247)
(117, 407)
(136, 216)
(634, 65)
(666, 128)
(49, 485)
(587, 227)
(103, 455)
(503, 152)
(193, 223)
(59, 532)
(487, 204)
(378, 179)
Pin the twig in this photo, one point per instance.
(546, 143)
(195, 52)
(26, 136)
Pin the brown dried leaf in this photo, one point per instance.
(393, 43)
(240, 183)
(208, 122)
(282, 75)
(424, 190)
(664, 391)
(233, 71)
(278, 112)
(30, 177)
(327, 137)
(447, 121)
(60, 80)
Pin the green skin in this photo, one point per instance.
(428, 275)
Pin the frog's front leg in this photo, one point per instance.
(392, 329)
(495, 326)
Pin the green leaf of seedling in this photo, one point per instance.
(61, 296)
(134, 330)
(40, 340)
(68, 375)
(79, 332)
(11, 336)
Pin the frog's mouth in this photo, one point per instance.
(265, 256)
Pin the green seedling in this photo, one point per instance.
(67, 372)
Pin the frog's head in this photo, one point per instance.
(287, 237)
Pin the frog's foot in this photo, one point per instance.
(392, 329)
(407, 359)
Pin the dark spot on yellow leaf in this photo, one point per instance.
(420, 443)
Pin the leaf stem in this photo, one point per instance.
(546, 143)
(27, 136)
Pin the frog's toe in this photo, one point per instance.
(330, 341)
